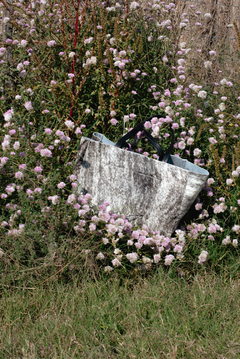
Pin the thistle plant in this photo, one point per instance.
(90, 66)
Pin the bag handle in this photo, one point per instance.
(164, 157)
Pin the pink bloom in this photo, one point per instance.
(175, 125)
(3, 161)
(69, 124)
(111, 228)
(81, 212)
(129, 242)
(4, 224)
(92, 227)
(135, 234)
(38, 169)
(169, 259)
(73, 178)
(19, 175)
(8, 115)
(5, 145)
(71, 76)
(164, 59)
(108, 269)
(212, 53)
(235, 173)
(48, 131)
(20, 66)
(113, 121)
(105, 241)
(39, 148)
(78, 131)
(61, 185)
(197, 152)
(38, 190)
(203, 257)
(23, 73)
(178, 248)
(51, 43)
(219, 208)
(198, 206)
(116, 262)
(147, 125)
(210, 181)
(54, 199)
(16, 145)
(46, 152)
(76, 206)
(161, 104)
(23, 43)
(190, 141)
(12, 132)
(28, 105)
(212, 140)
(132, 257)
(181, 145)
(236, 228)
(156, 258)
(229, 181)
(100, 256)
(235, 242)
(182, 77)
(71, 198)
(226, 240)
(212, 228)
(22, 167)
(138, 245)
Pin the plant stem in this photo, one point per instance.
(73, 63)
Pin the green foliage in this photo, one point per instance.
(160, 317)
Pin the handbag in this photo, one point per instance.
(152, 192)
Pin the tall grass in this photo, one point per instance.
(161, 317)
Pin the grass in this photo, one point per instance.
(160, 317)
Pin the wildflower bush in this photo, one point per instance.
(80, 67)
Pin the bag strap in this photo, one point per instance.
(162, 156)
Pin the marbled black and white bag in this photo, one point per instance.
(157, 193)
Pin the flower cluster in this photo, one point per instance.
(93, 79)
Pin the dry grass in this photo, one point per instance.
(214, 34)
(158, 318)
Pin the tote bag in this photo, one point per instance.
(154, 192)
